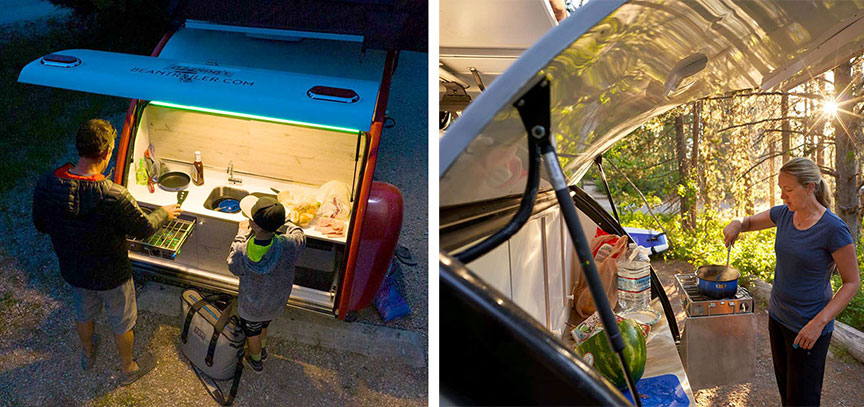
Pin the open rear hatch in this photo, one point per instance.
(297, 98)
(613, 65)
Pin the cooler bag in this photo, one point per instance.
(212, 340)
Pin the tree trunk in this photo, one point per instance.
(784, 126)
(771, 180)
(696, 166)
(683, 169)
(807, 125)
(820, 133)
(846, 130)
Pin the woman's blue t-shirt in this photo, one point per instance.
(802, 278)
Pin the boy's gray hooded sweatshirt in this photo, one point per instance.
(266, 285)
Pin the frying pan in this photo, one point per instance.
(174, 181)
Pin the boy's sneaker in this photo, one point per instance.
(263, 353)
(258, 366)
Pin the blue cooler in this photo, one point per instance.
(650, 239)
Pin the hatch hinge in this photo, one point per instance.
(455, 97)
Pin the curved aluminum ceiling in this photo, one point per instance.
(611, 66)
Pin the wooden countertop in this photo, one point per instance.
(662, 354)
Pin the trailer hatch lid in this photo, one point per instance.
(613, 65)
(289, 97)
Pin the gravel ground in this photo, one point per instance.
(39, 346)
(403, 162)
(39, 367)
(843, 374)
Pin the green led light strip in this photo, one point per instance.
(256, 117)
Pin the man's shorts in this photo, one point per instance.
(120, 305)
(253, 328)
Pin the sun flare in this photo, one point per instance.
(829, 107)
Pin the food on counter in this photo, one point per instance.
(330, 227)
(300, 207)
(335, 198)
(331, 201)
(592, 346)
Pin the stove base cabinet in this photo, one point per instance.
(719, 350)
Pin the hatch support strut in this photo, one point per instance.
(599, 161)
(534, 109)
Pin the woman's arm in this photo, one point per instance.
(759, 221)
(847, 265)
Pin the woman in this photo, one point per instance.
(810, 242)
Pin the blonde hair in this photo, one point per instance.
(806, 171)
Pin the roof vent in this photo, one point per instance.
(333, 94)
(681, 76)
(62, 61)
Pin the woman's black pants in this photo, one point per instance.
(799, 371)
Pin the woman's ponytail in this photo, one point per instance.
(822, 194)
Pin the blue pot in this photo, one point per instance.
(718, 281)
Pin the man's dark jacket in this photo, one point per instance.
(88, 220)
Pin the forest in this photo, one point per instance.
(702, 164)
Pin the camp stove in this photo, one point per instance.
(697, 305)
(718, 343)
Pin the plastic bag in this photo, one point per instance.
(607, 267)
(334, 197)
(389, 302)
(300, 207)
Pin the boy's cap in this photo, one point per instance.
(265, 212)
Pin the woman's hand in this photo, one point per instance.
(731, 231)
(808, 335)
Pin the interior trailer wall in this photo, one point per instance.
(538, 267)
(293, 153)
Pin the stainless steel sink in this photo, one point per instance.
(222, 193)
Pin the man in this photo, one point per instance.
(88, 218)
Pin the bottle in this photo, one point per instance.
(141, 173)
(634, 278)
(198, 170)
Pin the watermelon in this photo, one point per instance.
(595, 351)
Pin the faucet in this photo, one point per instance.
(230, 172)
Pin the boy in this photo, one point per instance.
(264, 260)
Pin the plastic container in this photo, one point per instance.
(197, 170)
(634, 278)
(141, 173)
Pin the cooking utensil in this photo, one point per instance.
(717, 281)
(181, 196)
(728, 252)
(150, 169)
(174, 181)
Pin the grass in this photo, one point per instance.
(39, 123)
(753, 254)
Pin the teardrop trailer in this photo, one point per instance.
(513, 234)
(270, 110)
